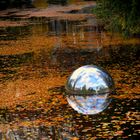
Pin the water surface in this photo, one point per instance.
(35, 61)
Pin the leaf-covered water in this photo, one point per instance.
(35, 62)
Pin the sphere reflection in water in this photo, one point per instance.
(88, 89)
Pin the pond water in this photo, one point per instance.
(119, 121)
(35, 62)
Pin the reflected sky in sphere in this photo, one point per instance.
(88, 89)
(88, 104)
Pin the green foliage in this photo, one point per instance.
(119, 15)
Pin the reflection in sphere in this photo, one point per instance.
(88, 89)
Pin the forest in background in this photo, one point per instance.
(119, 16)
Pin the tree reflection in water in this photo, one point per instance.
(45, 52)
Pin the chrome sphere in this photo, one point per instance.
(88, 89)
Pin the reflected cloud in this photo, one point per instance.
(90, 78)
(88, 89)
(89, 104)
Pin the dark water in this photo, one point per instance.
(4, 4)
(76, 43)
(119, 121)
